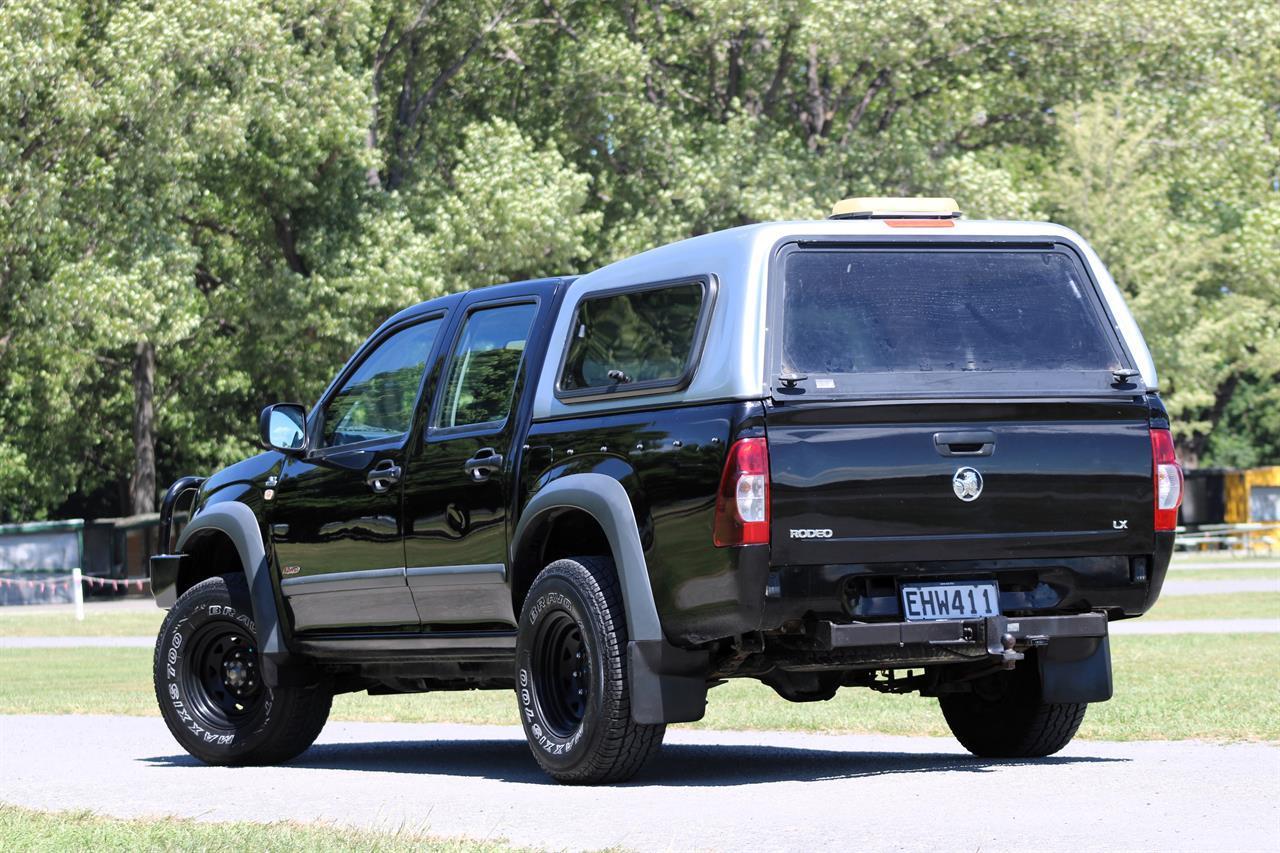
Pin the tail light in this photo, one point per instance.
(742, 504)
(1166, 476)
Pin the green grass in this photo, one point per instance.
(1177, 574)
(1226, 557)
(28, 830)
(76, 681)
(1223, 687)
(130, 623)
(1232, 605)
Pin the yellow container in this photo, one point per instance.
(1236, 487)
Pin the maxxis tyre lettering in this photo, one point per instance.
(276, 726)
(580, 601)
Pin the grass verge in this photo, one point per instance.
(29, 830)
(132, 623)
(1225, 557)
(1231, 605)
(1222, 687)
(1224, 574)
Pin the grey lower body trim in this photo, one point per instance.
(475, 595)
(341, 581)
(334, 600)
(432, 577)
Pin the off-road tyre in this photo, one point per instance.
(1004, 716)
(207, 638)
(573, 637)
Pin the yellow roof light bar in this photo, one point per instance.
(896, 208)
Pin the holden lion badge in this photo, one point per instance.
(967, 484)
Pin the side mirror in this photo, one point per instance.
(283, 427)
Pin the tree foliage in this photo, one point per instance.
(247, 188)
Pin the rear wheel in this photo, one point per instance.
(208, 681)
(1004, 716)
(571, 676)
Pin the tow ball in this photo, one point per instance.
(1008, 657)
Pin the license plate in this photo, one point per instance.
(925, 602)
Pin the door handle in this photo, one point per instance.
(974, 443)
(481, 466)
(383, 476)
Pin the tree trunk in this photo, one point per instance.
(142, 485)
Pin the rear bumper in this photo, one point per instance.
(1072, 653)
(994, 635)
(1121, 585)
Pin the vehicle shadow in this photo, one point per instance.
(678, 764)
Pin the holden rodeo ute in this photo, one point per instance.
(895, 450)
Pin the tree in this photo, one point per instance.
(193, 196)
(1203, 286)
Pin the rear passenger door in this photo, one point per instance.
(457, 488)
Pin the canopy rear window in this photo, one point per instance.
(885, 318)
(640, 340)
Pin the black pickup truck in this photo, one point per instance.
(894, 449)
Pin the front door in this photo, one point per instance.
(455, 503)
(336, 517)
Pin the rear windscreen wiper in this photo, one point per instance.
(791, 378)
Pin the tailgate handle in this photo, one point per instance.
(973, 443)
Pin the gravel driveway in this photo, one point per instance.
(707, 791)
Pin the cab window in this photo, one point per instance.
(635, 339)
(377, 400)
(484, 365)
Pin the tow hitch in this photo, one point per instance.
(999, 637)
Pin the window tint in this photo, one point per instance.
(644, 336)
(919, 311)
(377, 400)
(482, 372)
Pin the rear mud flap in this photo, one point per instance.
(1075, 669)
(668, 684)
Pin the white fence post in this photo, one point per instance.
(77, 594)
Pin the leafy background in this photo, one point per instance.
(237, 191)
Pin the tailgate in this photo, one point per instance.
(952, 481)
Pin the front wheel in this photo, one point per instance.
(571, 676)
(208, 680)
(1004, 716)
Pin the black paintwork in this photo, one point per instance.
(326, 520)
(670, 461)
(1057, 474)
(457, 514)
(1059, 479)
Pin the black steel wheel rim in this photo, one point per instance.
(561, 673)
(223, 679)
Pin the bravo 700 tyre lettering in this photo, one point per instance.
(571, 676)
(209, 685)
